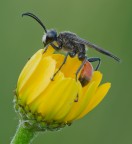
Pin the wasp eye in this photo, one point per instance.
(50, 36)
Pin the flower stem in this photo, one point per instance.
(23, 135)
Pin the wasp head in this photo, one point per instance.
(49, 37)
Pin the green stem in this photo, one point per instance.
(23, 135)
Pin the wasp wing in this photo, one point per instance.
(97, 48)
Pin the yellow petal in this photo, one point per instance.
(29, 68)
(36, 102)
(39, 80)
(49, 51)
(99, 95)
(67, 108)
(85, 97)
(96, 99)
(97, 76)
(59, 59)
(79, 106)
(71, 66)
(57, 99)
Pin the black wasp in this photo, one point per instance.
(71, 43)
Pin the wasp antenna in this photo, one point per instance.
(36, 18)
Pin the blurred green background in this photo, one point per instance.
(107, 23)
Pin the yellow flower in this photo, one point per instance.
(51, 104)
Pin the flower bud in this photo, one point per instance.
(44, 104)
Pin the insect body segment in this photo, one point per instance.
(72, 44)
(68, 44)
(86, 73)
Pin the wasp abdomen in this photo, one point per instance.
(86, 73)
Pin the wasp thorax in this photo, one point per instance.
(49, 37)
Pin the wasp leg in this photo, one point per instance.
(71, 54)
(55, 47)
(77, 97)
(45, 49)
(80, 67)
(64, 61)
(94, 59)
(81, 56)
